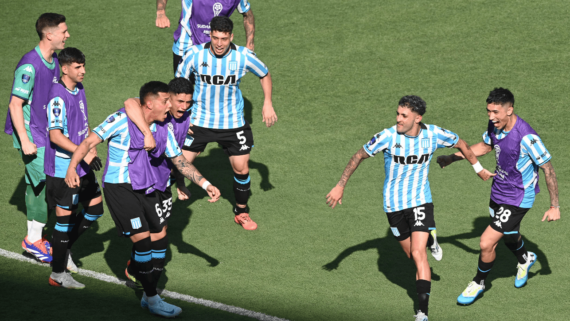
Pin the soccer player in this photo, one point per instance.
(408, 148)
(68, 125)
(27, 123)
(135, 186)
(180, 90)
(217, 112)
(194, 23)
(519, 152)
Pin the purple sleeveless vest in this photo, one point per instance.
(43, 80)
(148, 170)
(180, 127)
(508, 186)
(77, 125)
(203, 11)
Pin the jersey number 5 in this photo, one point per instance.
(241, 138)
(419, 213)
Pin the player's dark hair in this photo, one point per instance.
(152, 88)
(415, 103)
(221, 24)
(70, 55)
(48, 20)
(501, 96)
(180, 86)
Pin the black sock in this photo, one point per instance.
(143, 263)
(82, 224)
(483, 270)
(242, 185)
(60, 242)
(423, 288)
(518, 250)
(159, 256)
(430, 240)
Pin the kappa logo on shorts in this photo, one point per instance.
(498, 223)
(136, 223)
(418, 223)
(395, 231)
(75, 199)
(244, 147)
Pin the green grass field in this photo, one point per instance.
(339, 69)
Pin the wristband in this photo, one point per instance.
(555, 206)
(477, 167)
(205, 185)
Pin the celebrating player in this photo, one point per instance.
(180, 90)
(68, 125)
(408, 148)
(135, 186)
(217, 112)
(27, 123)
(519, 152)
(194, 23)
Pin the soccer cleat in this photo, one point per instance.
(471, 293)
(435, 249)
(132, 278)
(71, 267)
(144, 301)
(47, 244)
(64, 280)
(37, 249)
(245, 221)
(156, 305)
(421, 316)
(522, 273)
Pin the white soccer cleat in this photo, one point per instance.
(64, 280)
(156, 305)
(71, 267)
(421, 316)
(471, 293)
(435, 249)
(522, 272)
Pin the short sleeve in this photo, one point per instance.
(56, 113)
(172, 148)
(486, 139)
(24, 81)
(378, 143)
(185, 65)
(445, 138)
(534, 147)
(115, 122)
(243, 6)
(254, 65)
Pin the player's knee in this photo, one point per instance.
(486, 245)
(94, 212)
(419, 254)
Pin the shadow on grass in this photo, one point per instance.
(392, 262)
(19, 196)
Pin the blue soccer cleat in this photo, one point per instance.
(471, 293)
(156, 305)
(144, 301)
(522, 273)
(41, 249)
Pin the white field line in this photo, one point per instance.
(165, 293)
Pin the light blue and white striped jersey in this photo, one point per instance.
(406, 163)
(218, 102)
(115, 129)
(194, 24)
(57, 119)
(533, 154)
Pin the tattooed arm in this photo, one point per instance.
(553, 214)
(249, 25)
(335, 195)
(162, 20)
(191, 172)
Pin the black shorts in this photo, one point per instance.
(404, 222)
(134, 212)
(506, 218)
(237, 141)
(59, 194)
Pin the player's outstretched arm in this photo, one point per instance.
(135, 114)
(63, 142)
(268, 113)
(249, 25)
(478, 150)
(162, 20)
(335, 195)
(191, 172)
(71, 178)
(553, 214)
(17, 113)
(468, 153)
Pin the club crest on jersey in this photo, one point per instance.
(56, 112)
(136, 223)
(110, 119)
(171, 127)
(425, 143)
(233, 65)
(497, 152)
(82, 107)
(25, 79)
(372, 141)
(217, 8)
(219, 80)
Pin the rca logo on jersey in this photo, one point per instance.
(219, 80)
(410, 160)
